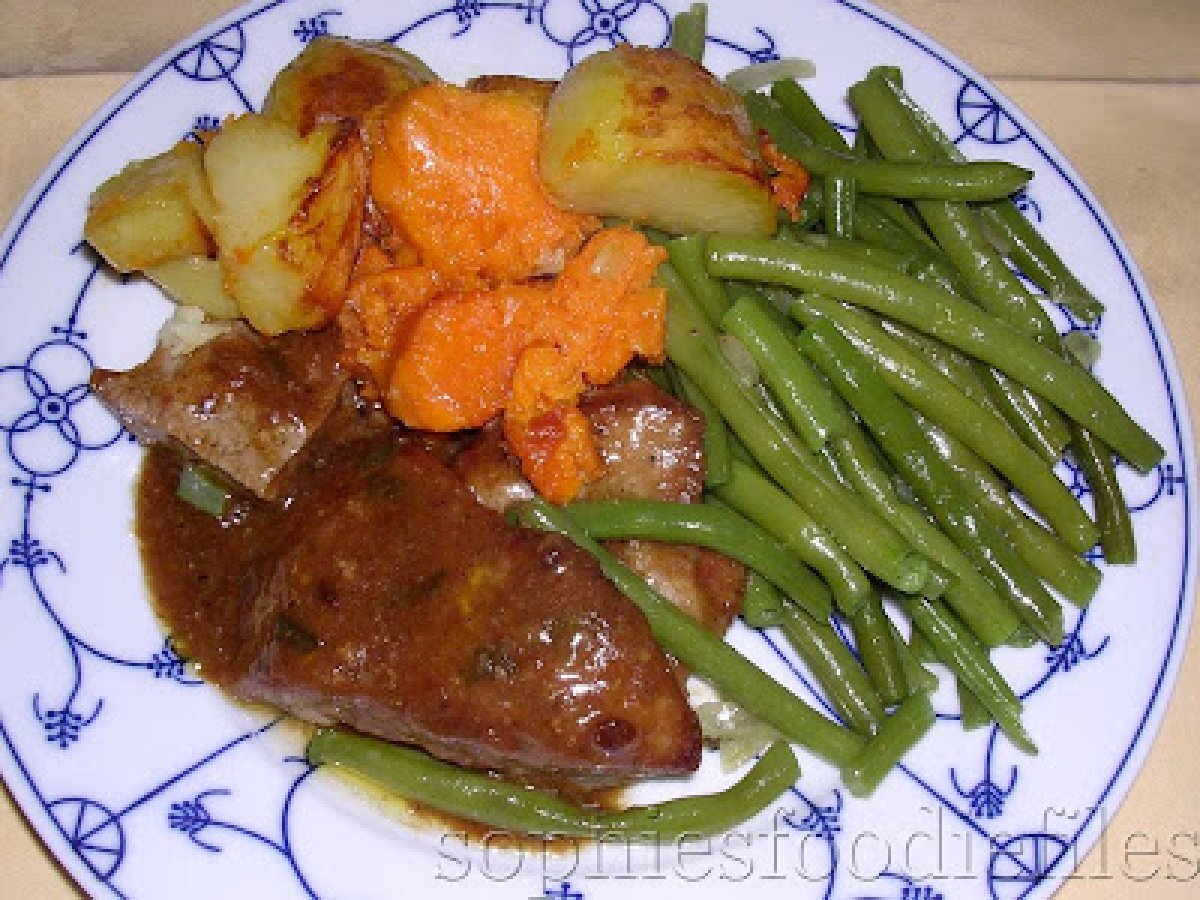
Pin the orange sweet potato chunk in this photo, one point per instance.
(528, 350)
(457, 176)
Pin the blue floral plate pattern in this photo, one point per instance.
(144, 782)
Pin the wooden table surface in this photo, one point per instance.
(1114, 83)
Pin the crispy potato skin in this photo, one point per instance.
(288, 218)
(152, 211)
(337, 78)
(538, 90)
(650, 135)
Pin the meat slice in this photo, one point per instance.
(404, 608)
(652, 445)
(241, 402)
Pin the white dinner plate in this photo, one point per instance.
(145, 783)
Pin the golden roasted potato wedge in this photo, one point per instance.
(288, 217)
(539, 90)
(652, 136)
(339, 78)
(195, 281)
(152, 211)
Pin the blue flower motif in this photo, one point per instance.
(214, 58)
(61, 417)
(204, 122)
(822, 820)
(563, 891)
(601, 24)
(986, 798)
(1071, 652)
(191, 817)
(63, 725)
(167, 663)
(1027, 205)
(314, 27)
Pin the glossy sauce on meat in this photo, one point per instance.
(382, 596)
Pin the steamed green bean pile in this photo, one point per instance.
(880, 456)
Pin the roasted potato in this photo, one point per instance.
(538, 90)
(652, 136)
(152, 211)
(339, 78)
(288, 215)
(195, 281)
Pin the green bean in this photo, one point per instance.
(762, 603)
(1001, 291)
(807, 117)
(877, 650)
(716, 435)
(903, 219)
(841, 200)
(955, 226)
(418, 777)
(907, 447)
(1050, 559)
(944, 316)
(872, 542)
(918, 677)
(1006, 295)
(897, 260)
(992, 283)
(1022, 242)
(806, 403)
(660, 376)
(970, 594)
(1023, 414)
(738, 679)
(204, 488)
(876, 225)
(957, 648)
(946, 181)
(950, 362)
(812, 205)
(1037, 259)
(756, 498)
(863, 147)
(1112, 513)
(774, 302)
(898, 733)
(937, 398)
(971, 713)
(688, 31)
(834, 668)
(921, 649)
(705, 525)
(800, 109)
(687, 258)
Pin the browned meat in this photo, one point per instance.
(406, 609)
(241, 401)
(652, 444)
(705, 584)
(492, 474)
(382, 596)
(653, 448)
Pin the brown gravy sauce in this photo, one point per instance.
(195, 564)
